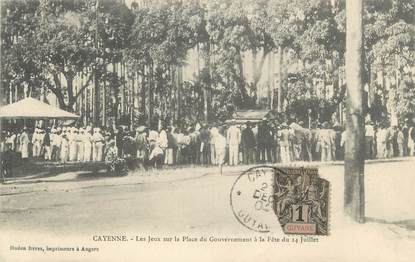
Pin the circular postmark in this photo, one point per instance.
(252, 198)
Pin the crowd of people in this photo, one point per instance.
(229, 143)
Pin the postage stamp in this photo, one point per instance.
(301, 201)
(293, 198)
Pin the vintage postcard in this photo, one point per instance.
(207, 130)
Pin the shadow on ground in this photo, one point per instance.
(408, 224)
(45, 172)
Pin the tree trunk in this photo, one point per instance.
(104, 104)
(205, 88)
(116, 95)
(269, 91)
(132, 97)
(149, 95)
(71, 98)
(279, 102)
(96, 98)
(143, 92)
(178, 91)
(209, 86)
(241, 79)
(170, 93)
(354, 155)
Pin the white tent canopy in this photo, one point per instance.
(30, 108)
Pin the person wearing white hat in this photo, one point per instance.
(72, 144)
(326, 142)
(80, 144)
(153, 137)
(64, 147)
(156, 157)
(285, 138)
(220, 146)
(24, 143)
(233, 138)
(87, 144)
(36, 143)
(98, 144)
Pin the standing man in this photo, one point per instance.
(233, 138)
(369, 140)
(326, 142)
(405, 131)
(315, 138)
(264, 139)
(98, 142)
(194, 145)
(36, 143)
(24, 143)
(204, 145)
(119, 141)
(298, 140)
(142, 145)
(333, 135)
(80, 145)
(308, 145)
(87, 144)
(220, 146)
(213, 133)
(411, 140)
(163, 143)
(285, 138)
(392, 141)
(72, 144)
(248, 144)
(64, 146)
(46, 145)
(153, 137)
(381, 140)
(171, 147)
(53, 146)
(400, 140)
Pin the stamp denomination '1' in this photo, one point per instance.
(294, 196)
(301, 201)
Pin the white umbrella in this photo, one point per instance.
(30, 108)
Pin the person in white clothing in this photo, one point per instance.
(382, 139)
(72, 144)
(87, 144)
(162, 139)
(220, 148)
(11, 141)
(24, 144)
(98, 142)
(64, 146)
(233, 138)
(80, 144)
(411, 141)
(64, 152)
(153, 137)
(36, 143)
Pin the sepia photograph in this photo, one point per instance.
(207, 130)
